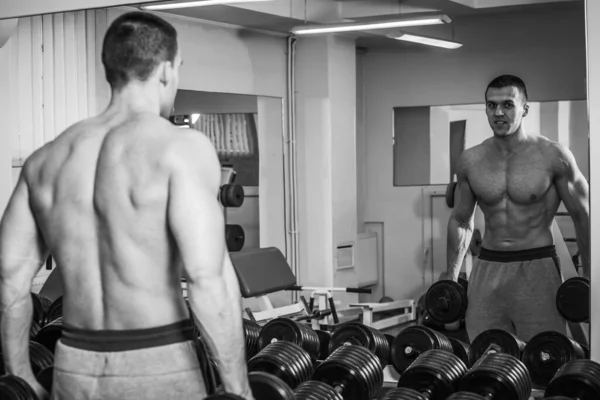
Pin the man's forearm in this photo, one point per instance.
(582, 231)
(15, 322)
(458, 238)
(219, 313)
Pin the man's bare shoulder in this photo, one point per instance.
(192, 150)
(557, 154)
(471, 158)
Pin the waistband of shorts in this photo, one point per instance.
(518, 255)
(130, 339)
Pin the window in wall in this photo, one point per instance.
(235, 138)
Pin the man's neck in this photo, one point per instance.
(135, 98)
(510, 144)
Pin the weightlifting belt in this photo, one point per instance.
(509, 256)
(518, 255)
(126, 340)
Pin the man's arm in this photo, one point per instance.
(573, 190)
(22, 254)
(197, 224)
(460, 224)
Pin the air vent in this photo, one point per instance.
(345, 256)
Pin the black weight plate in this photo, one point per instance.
(267, 386)
(436, 372)
(578, 379)
(45, 378)
(40, 357)
(286, 360)
(466, 396)
(507, 342)
(446, 301)
(277, 330)
(412, 342)
(315, 390)
(34, 329)
(349, 334)
(231, 195)
(403, 394)
(15, 388)
(573, 299)
(498, 375)
(50, 334)
(324, 339)
(545, 353)
(460, 349)
(235, 237)
(55, 310)
(353, 371)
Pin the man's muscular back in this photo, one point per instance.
(100, 195)
(516, 191)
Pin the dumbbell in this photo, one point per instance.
(264, 386)
(434, 375)
(15, 388)
(497, 376)
(324, 340)
(39, 358)
(45, 378)
(41, 306)
(235, 237)
(357, 334)
(576, 380)
(413, 341)
(460, 349)
(354, 372)
(573, 300)
(446, 301)
(286, 360)
(545, 353)
(50, 334)
(55, 311)
(285, 329)
(495, 340)
(231, 195)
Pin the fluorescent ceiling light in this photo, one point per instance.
(189, 4)
(373, 24)
(447, 44)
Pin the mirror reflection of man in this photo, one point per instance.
(518, 180)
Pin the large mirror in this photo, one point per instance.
(428, 140)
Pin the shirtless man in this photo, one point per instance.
(126, 204)
(518, 180)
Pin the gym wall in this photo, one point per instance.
(550, 49)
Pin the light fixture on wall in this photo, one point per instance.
(190, 4)
(427, 40)
(367, 24)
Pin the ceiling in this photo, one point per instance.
(280, 16)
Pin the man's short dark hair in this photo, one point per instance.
(134, 45)
(503, 81)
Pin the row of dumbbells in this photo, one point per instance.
(267, 347)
